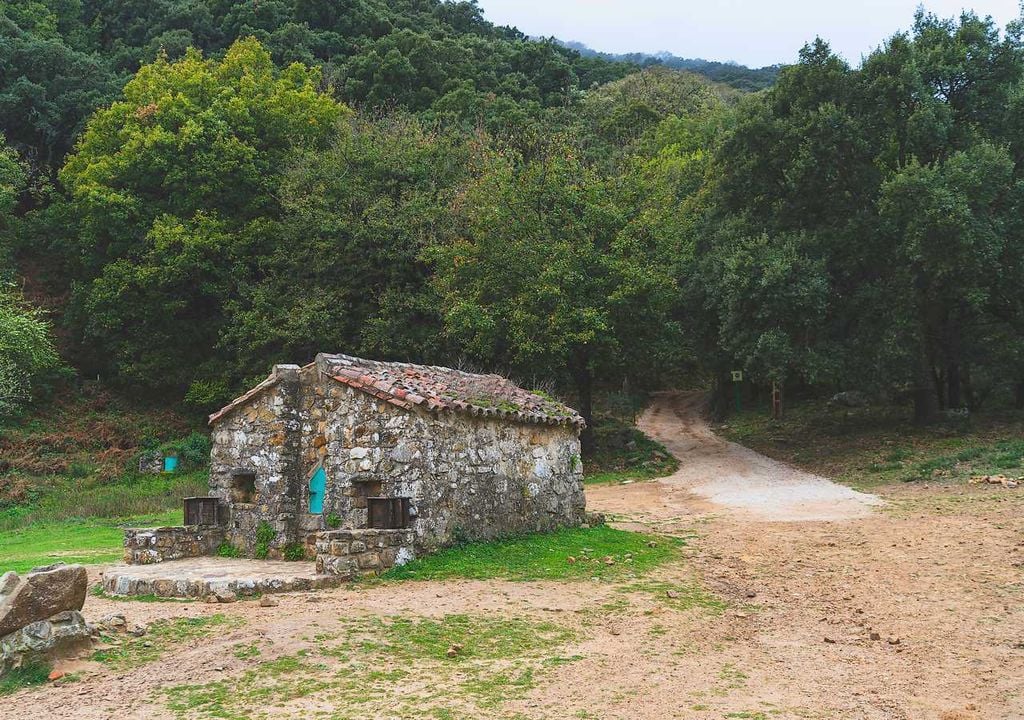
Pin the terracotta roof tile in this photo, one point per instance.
(445, 389)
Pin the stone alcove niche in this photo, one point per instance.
(243, 486)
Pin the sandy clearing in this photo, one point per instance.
(733, 478)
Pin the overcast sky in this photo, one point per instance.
(752, 32)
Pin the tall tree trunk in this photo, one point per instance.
(971, 400)
(926, 406)
(954, 397)
(939, 387)
(1018, 401)
(721, 397)
(584, 381)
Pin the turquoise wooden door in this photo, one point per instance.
(317, 485)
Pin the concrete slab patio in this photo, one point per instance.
(198, 577)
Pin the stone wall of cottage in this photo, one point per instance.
(466, 477)
(260, 436)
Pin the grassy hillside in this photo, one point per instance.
(78, 458)
(69, 479)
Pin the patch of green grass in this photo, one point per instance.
(23, 677)
(82, 541)
(246, 652)
(392, 666)
(163, 635)
(968, 454)
(623, 453)
(569, 553)
(490, 638)
(678, 596)
(227, 550)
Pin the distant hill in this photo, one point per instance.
(734, 75)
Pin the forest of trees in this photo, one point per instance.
(195, 189)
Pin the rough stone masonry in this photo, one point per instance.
(363, 464)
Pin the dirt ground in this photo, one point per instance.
(809, 572)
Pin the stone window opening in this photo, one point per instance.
(243, 486)
(385, 513)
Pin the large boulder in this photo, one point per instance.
(64, 634)
(41, 594)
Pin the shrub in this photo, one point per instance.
(207, 395)
(295, 551)
(28, 360)
(193, 450)
(228, 550)
(265, 535)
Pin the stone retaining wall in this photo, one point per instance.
(145, 546)
(351, 553)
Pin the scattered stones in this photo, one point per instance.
(267, 601)
(672, 594)
(893, 640)
(751, 594)
(111, 623)
(222, 596)
(996, 480)
(454, 650)
(876, 636)
(830, 640)
(571, 560)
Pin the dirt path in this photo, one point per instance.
(731, 477)
(912, 610)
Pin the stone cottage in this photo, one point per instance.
(366, 463)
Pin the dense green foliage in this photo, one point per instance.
(168, 183)
(865, 226)
(61, 59)
(27, 354)
(206, 188)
